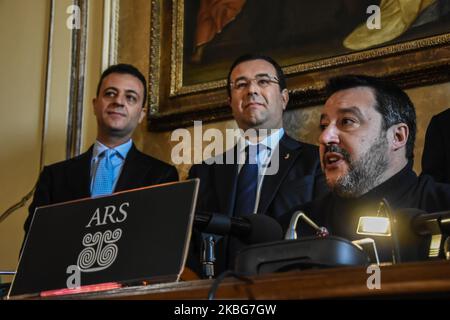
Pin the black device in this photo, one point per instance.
(422, 235)
(128, 237)
(249, 229)
(305, 253)
(252, 228)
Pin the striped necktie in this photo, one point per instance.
(247, 183)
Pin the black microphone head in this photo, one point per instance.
(407, 220)
(263, 229)
(408, 212)
(412, 239)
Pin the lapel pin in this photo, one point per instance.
(286, 156)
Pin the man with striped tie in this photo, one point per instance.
(272, 172)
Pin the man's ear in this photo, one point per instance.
(93, 104)
(285, 98)
(143, 113)
(399, 136)
(229, 105)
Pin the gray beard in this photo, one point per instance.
(364, 174)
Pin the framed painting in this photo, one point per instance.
(193, 43)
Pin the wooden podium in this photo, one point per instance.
(408, 280)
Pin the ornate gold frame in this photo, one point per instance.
(173, 104)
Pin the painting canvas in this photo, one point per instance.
(311, 39)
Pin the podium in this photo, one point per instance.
(408, 280)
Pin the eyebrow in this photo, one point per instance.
(257, 75)
(127, 91)
(354, 110)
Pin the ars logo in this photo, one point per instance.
(100, 249)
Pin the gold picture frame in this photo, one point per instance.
(175, 103)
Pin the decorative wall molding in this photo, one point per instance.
(77, 77)
(111, 11)
(48, 79)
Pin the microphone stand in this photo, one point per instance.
(215, 225)
(17, 205)
(384, 204)
(447, 248)
(208, 254)
(291, 233)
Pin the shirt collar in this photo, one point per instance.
(121, 149)
(270, 142)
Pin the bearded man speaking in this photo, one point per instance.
(366, 152)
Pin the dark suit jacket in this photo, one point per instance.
(299, 180)
(403, 190)
(436, 153)
(70, 179)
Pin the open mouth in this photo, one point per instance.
(333, 159)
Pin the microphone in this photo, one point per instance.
(432, 223)
(423, 223)
(291, 233)
(253, 228)
(423, 231)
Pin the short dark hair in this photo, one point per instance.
(392, 103)
(124, 68)
(256, 56)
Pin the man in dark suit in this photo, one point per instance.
(113, 163)
(367, 153)
(436, 152)
(258, 96)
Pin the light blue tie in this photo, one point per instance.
(104, 175)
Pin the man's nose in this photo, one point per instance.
(330, 135)
(253, 87)
(119, 99)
